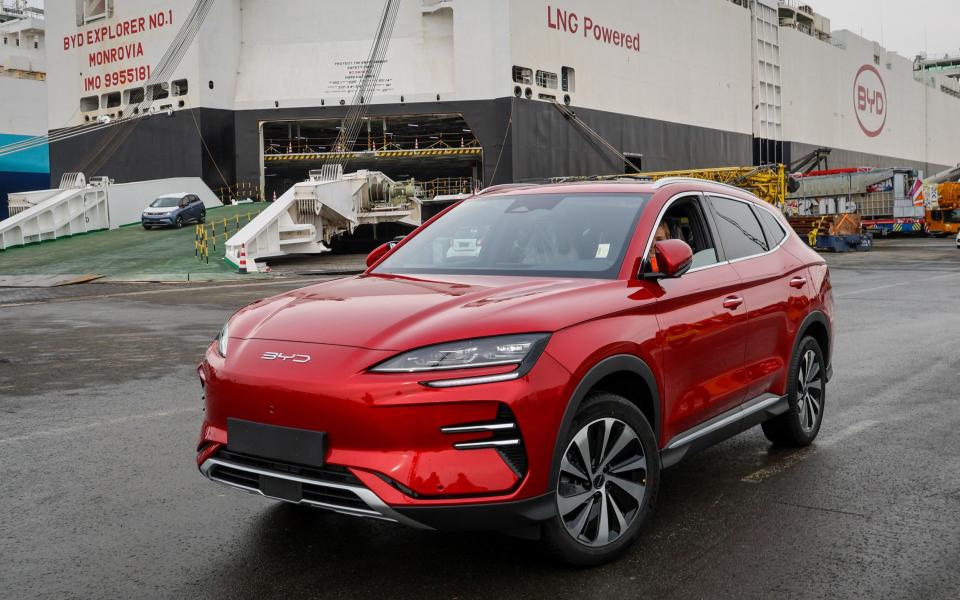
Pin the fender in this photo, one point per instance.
(607, 366)
(817, 316)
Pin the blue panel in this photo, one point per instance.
(33, 160)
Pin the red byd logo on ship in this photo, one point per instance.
(870, 100)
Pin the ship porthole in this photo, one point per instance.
(528, 93)
(517, 91)
(566, 99)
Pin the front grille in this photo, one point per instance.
(338, 497)
(331, 473)
(236, 476)
(329, 486)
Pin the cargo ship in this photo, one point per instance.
(23, 99)
(466, 93)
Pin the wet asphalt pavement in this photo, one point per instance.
(100, 496)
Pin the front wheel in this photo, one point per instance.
(806, 393)
(179, 222)
(607, 482)
(203, 217)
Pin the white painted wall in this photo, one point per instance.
(306, 52)
(23, 56)
(69, 64)
(923, 123)
(127, 200)
(20, 99)
(693, 65)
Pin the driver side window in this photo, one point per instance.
(684, 220)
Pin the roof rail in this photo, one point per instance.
(668, 180)
(505, 186)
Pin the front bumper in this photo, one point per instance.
(157, 220)
(339, 491)
(412, 453)
(336, 490)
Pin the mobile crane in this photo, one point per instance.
(942, 202)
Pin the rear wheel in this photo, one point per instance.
(806, 392)
(607, 484)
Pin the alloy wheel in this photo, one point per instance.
(602, 483)
(809, 390)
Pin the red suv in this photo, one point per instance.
(527, 361)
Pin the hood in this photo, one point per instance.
(398, 313)
(158, 211)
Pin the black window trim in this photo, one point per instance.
(712, 224)
(706, 214)
(756, 211)
(706, 210)
(755, 207)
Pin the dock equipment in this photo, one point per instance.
(941, 202)
(836, 233)
(309, 215)
(76, 207)
(879, 197)
(767, 182)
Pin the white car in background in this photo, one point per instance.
(958, 240)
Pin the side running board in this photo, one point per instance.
(723, 426)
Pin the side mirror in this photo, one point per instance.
(378, 253)
(672, 258)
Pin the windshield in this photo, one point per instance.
(165, 202)
(550, 235)
(951, 216)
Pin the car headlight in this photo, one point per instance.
(467, 354)
(222, 339)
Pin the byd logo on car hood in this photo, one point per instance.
(870, 100)
(297, 358)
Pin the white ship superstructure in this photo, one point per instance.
(466, 93)
(23, 97)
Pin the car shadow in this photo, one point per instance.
(293, 551)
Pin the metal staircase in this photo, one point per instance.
(77, 207)
(310, 214)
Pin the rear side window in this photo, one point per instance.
(771, 227)
(740, 232)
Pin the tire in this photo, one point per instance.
(203, 217)
(575, 535)
(179, 222)
(800, 425)
(145, 226)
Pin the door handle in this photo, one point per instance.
(798, 282)
(732, 303)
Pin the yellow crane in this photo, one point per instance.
(767, 182)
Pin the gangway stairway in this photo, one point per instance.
(310, 214)
(77, 207)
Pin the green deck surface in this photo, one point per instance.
(131, 253)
